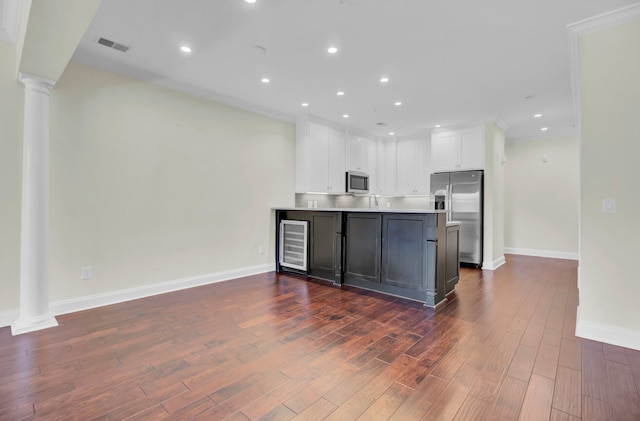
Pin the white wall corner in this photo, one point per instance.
(9, 20)
(613, 335)
(498, 122)
(7, 317)
(487, 265)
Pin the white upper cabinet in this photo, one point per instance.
(459, 150)
(386, 168)
(336, 177)
(413, 166)
(361, 154)
(320, 158)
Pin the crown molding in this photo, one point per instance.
(9, 20)
(577, 29)
(606, 20)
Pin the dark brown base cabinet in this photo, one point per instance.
(400, 254)
(325, 242)
(411, 255)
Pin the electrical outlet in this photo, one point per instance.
(608, 205)
(260, 249)
(86, 273)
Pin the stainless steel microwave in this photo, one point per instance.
(357, 182)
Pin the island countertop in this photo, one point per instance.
(369, 210)
(376, 210)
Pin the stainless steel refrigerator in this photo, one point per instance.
(463, 200)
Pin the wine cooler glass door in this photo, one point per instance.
(293, 244)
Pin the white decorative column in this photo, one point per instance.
(34, 256)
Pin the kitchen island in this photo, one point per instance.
(410, 253)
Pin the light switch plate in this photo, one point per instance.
(608, 205)
(86, 273)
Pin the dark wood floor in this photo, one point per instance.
(274, 347)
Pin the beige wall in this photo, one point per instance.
(610, 149)
(147, 185)
(541, 198)
(11, 103)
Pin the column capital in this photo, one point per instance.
(35, 82)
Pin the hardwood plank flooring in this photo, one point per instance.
(284, 347)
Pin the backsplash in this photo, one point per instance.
(350, 201)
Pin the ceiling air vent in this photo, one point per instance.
(381, 124)
(112, 44)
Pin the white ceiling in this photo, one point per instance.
(449, 61)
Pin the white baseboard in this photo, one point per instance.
(8, 317)
(486, 265)
(608, 334)
(542, 253)
(113, 297)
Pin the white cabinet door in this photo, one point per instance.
(460, 150)
(318, 159)
(413, 166)
(471, 149)
(444, 152)
(406, 166)
(423, 166)
(324, 160)
(386, 168)
(336, 167)
(361, 154)
(357, 150)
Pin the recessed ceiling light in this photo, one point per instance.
(397, 103)
(305, 104)
(340, 93)
(544, 129)
(391, 133)
(332, 50)
(437, 125)
(185, 49)
(345, 115)
(250, 1)
(537, 115)
(384, 79)
(264, 80)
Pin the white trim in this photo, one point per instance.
(586, 26)
(7, 317)
(139, 75)
(9, 20)
(608, 334)
(486, 265)
(32, 324)
(498, 121)
(470, 124)
(98, 300)
(113, 297)
(606, 20)
(542, 253)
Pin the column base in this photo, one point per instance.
(31, 324)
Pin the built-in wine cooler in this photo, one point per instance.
(293, 244)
